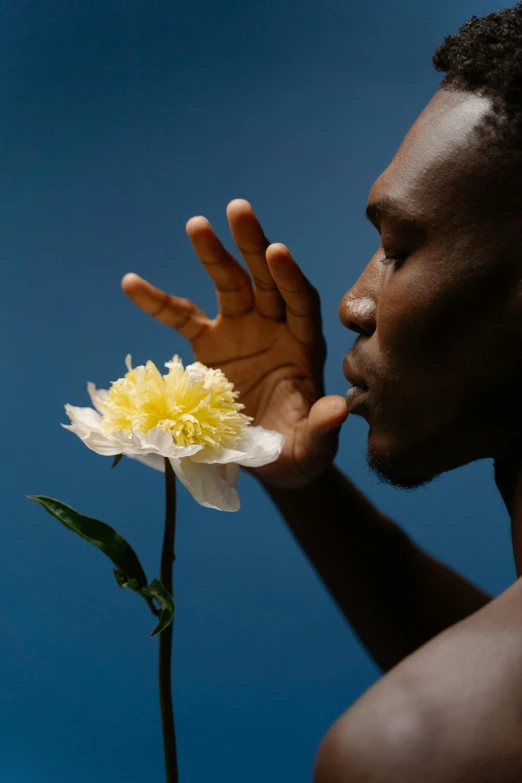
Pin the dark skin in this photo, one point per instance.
(437, 311)
(447, 323)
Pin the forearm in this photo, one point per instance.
(395, 596)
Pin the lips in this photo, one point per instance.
(351, 373)
(356, 397)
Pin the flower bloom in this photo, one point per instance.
(189, 416)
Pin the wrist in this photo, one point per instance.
(295, 484)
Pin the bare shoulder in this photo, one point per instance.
(449, 713)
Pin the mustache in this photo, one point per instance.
(360, 361)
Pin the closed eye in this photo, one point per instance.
(394, 258)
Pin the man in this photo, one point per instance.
(437, 372)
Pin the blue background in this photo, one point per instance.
(120, 121)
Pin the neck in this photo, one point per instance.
(508, 478)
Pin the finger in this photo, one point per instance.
(233, 286)
(325, 420)
(179, 313)
(303, 311)
(327, 414)
(252, 244)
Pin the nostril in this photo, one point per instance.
(354, 327)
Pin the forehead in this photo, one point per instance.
(439, 149)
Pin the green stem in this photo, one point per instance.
(165, 637)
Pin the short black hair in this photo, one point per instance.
(485, 57)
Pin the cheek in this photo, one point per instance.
(424, 328)
(442, 343)
(416, 318)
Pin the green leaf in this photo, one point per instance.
(103, 536)
(116, 460)
(129, 572)
(154, 591)
(163, 597)
(124, 581)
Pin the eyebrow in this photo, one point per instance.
(390, 208)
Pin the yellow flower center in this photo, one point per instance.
(196, 405)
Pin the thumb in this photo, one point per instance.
(327, 414)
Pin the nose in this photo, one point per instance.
(358, 314)
(358, 307)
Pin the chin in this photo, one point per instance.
(397, 471)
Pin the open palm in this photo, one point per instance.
(267, 338)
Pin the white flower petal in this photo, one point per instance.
(86, 424)
(155, 441)
(219, 456)
(196, 372)
(261, 446)
(175, 363)
(97, 395)
(257, 447)
(230, 473)
(152, 460)
(88, 417)
(206, 484)
(94, 440)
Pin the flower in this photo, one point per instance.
(189, 416)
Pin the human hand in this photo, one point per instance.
(267, 338)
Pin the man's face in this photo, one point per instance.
(437, 308)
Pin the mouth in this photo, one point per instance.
(355, 398)
(357, 393)
(352, 374)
